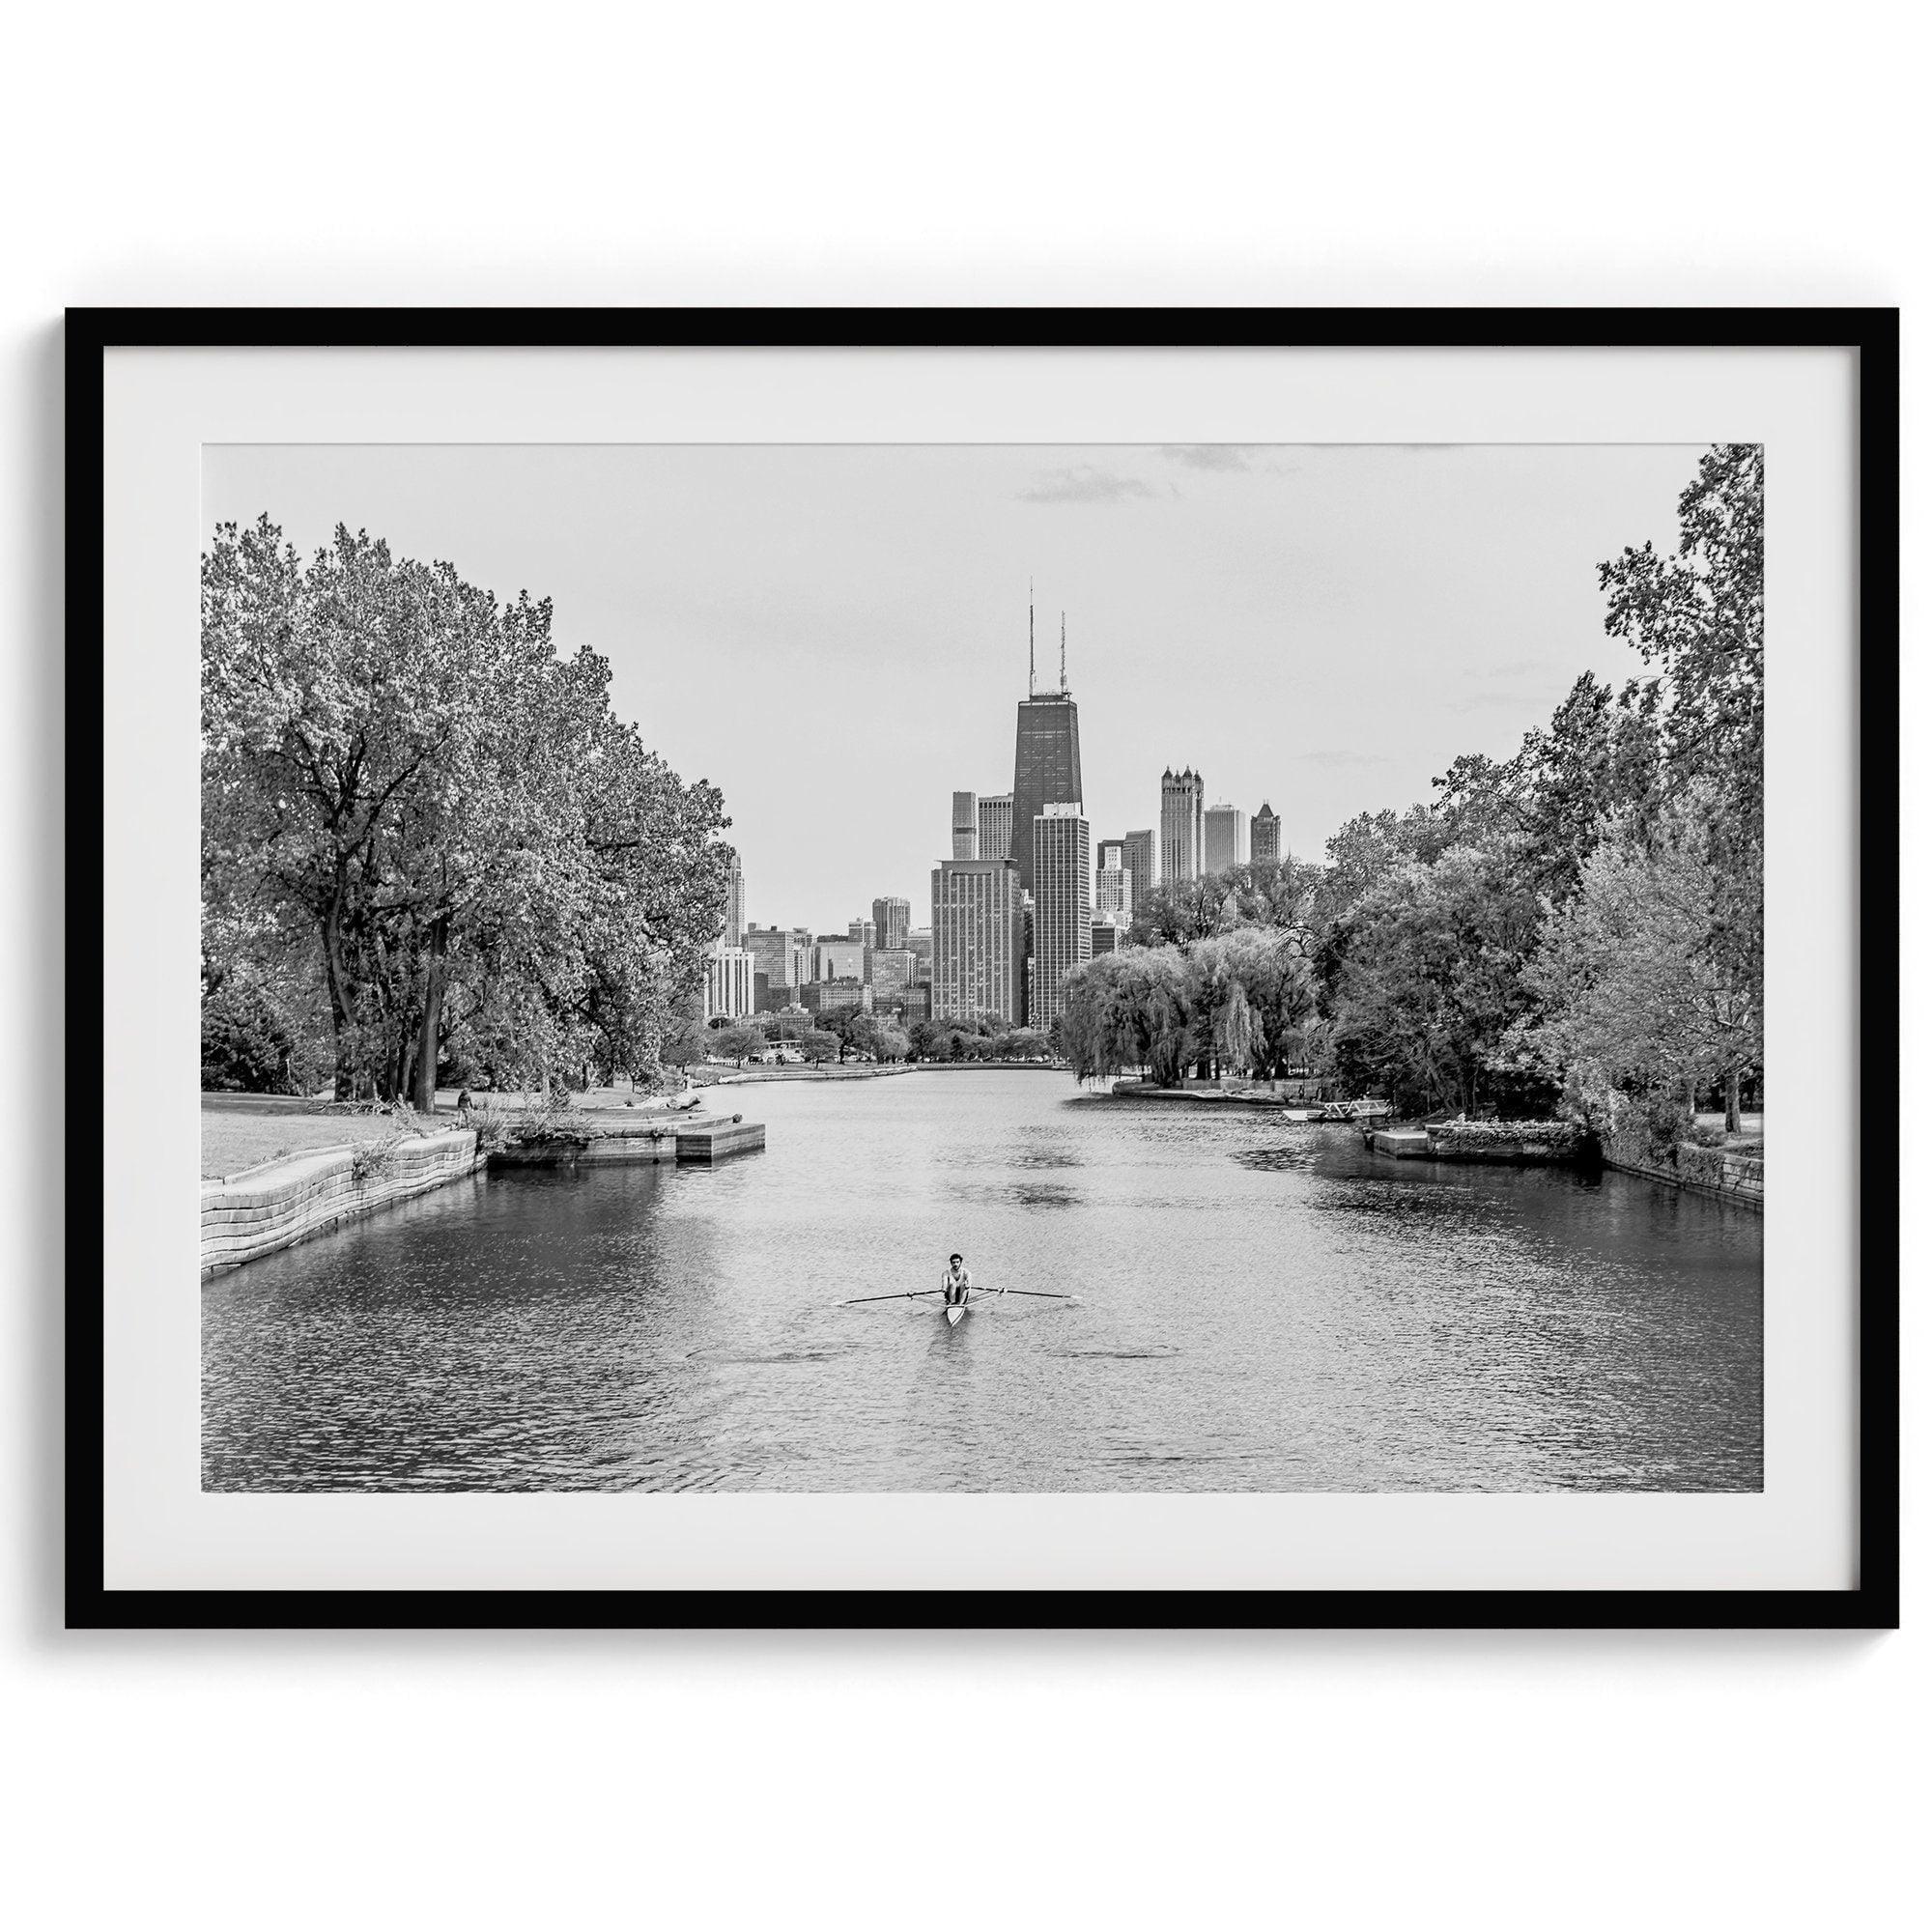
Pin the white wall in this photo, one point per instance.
(1661, 153)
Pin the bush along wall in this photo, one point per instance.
(1522, 1141)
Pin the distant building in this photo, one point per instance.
(965, 825)
(780, 956)
(1184, 846)
(1265, 840)
(786, 1023)
(1141, 855)
(1113, 883)
(835, 957)
(919, 1002)
(730, 991)
(1046, 756)
(893, 969)
(1225, 834)
(892, 920)
(919, 943)
(734, 904)
(864, 931)
(1062, 906)
(977, 962)
(825, 997)
(995, 818)
(1107, 937)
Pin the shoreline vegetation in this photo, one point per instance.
(1571, 938)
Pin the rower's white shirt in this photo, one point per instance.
(964, 1278)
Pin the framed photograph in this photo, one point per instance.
(1048, 968)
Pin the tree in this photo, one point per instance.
(1127, 1009)
(819, 1046)
(407, 775)
(735, 1043)
(1633, 994)
(1432, 980)
(1699, 618)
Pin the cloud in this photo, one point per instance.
(1084, 484)
(1211, 455)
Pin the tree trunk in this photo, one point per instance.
(427, 1042)
(1733, 1112)
(341, 1004)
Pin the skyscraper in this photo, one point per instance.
(1113, 883)
(965, 825)
(1062, 907)
(978, 964)
(1225, 837)
(839, 958)
(864, 931)
(1266, 828)
(1140, 854)
(1182, 833)
(729, 988)
(734, 904)
(892, 920)
(778, 956)
(996, 825)
(893, 972)
(1046, 754)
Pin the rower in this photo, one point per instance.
(957, 1282)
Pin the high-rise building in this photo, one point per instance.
(892, 920)
(1140, 852)
(1107, 936)
(1182, 833)
(919, 943)
(1265, 842)
(894, 970)
(864, 931)
(1225, 837)
(729, 988)
(838, 957)
(1062, 907)
(965, 825)
(977, 962)
(996, 825)
(1046, 754)
(778, 956)
(734, 904)
(1113, 883)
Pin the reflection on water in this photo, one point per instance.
(1260, 1306)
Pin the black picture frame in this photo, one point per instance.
(1871, 332)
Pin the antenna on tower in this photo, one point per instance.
(1029, 637)
(1062, 651)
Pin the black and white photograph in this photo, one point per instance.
(996, 968)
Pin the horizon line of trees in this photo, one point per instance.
(1578, 927)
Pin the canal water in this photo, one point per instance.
(1257, 1306)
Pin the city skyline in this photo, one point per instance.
(772, 614)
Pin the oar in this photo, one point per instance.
(1038, 1293)
(904, 1294)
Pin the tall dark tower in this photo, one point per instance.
(1046, 756)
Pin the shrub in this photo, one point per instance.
(374, 1158)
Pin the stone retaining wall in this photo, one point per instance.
(283, 1202)
(1721, 1173)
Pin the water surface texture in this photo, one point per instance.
(1260, 1306)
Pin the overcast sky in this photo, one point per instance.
(838, 637)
